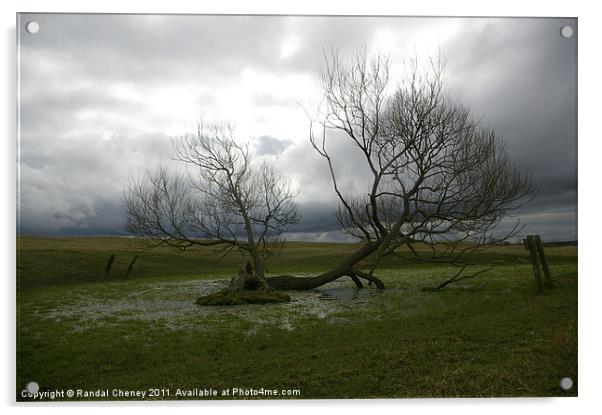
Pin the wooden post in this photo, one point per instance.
(131, 266)
(544, 262)
(109, 264)
(535, 262)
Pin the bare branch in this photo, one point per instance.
(436, 176)
(225, 200)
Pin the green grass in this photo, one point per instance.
(492, 336)
(57, 261)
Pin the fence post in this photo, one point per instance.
(109, 264)
(535, 262)
(131, 266)
(544, 262)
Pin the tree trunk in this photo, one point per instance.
(245, 288)
(345, 268)
(247, 279)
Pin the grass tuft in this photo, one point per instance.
(231, 297)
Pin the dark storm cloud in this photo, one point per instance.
(318, 217)
(74, 186)
(97, 94)
(519, 77)
(99, 216)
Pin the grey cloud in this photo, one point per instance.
(266, 100)
(99, 216)
(75, 185)
(556, 225)
(53, 108)
(307, 167)
(155, 47)
(327, 237)
(317, 218)
(517, 76)
(266, 145)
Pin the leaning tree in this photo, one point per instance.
(224, 199)
(436, 178)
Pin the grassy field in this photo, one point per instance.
(79, 329)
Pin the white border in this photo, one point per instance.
(589, 189)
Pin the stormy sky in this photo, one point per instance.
(101, 97)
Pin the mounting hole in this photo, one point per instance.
(32, 387)
(566, 32)
(32, 27)
(566, 383)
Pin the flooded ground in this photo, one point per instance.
(171, 304)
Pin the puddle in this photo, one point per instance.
(171, 304)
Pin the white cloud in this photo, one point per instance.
(289, 46)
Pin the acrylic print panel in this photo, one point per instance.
(295, 207)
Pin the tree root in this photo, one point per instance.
(356, 280)
(370, 278)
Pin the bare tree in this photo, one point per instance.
(225, 200)
(436, 178)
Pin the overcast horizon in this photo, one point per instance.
(101, 96)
